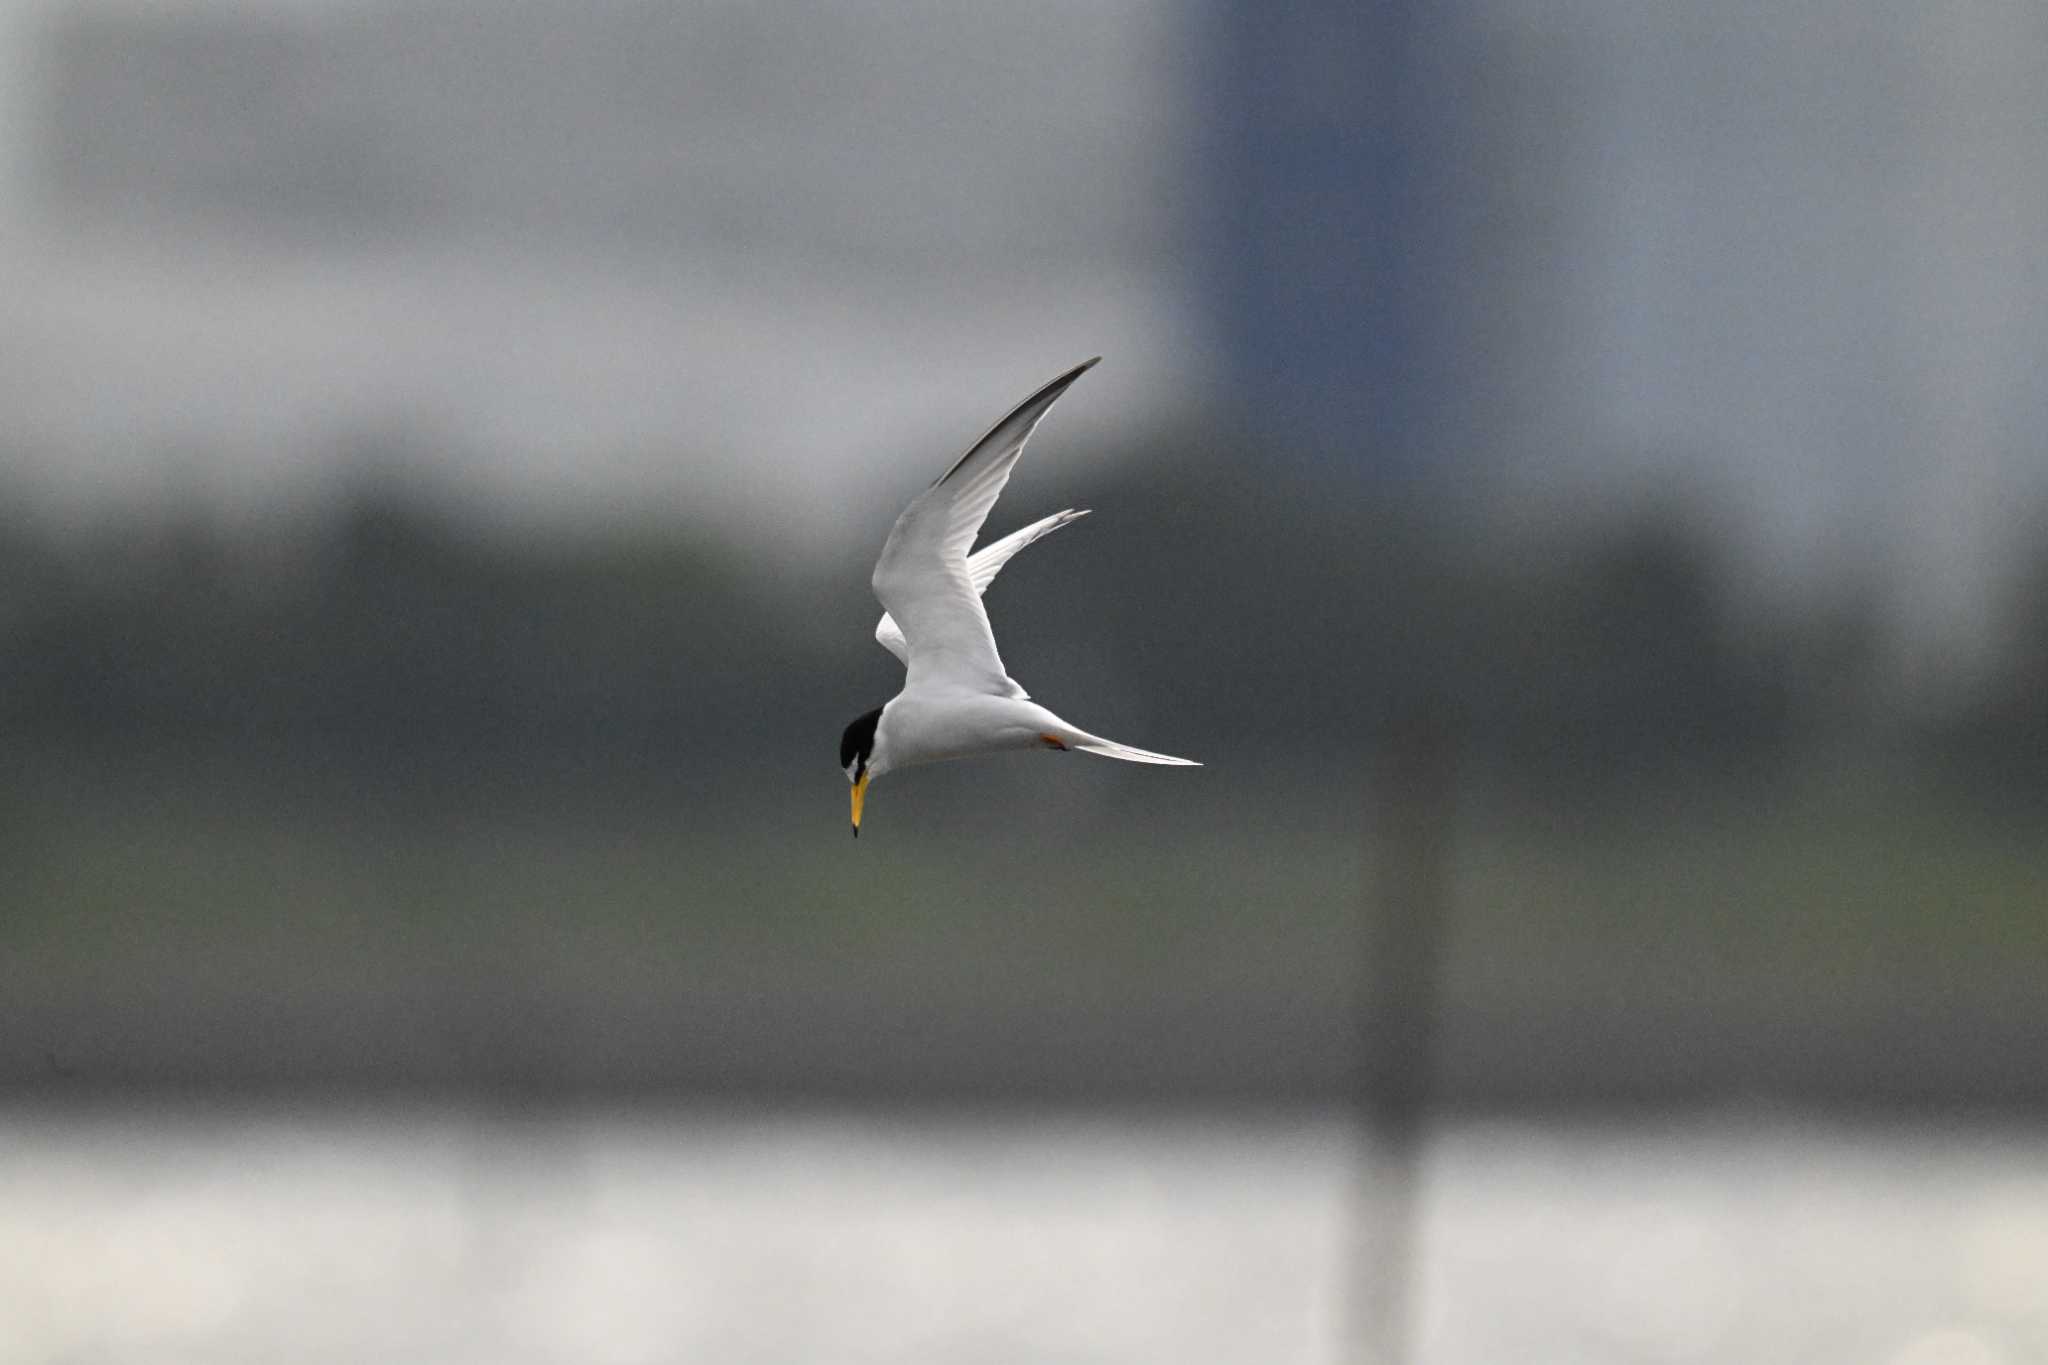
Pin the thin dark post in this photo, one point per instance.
(1407, 902)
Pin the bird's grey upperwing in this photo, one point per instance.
(923, 579)
(982, 567)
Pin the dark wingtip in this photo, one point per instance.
(1044, 398)
(1058, 386)
(1071, 375)
(856, 831)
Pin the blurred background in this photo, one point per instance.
(1576, 471)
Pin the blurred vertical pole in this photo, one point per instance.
(1409, 832)
(1327, 267)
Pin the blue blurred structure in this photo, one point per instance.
(1318, 245)
(1767, 265)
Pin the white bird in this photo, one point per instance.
(957, 700)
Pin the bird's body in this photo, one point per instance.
(936, 722)
(957, 699)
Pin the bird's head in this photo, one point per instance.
(857, 756)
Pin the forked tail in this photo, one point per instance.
(1109, 748)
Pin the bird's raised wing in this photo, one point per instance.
(922, 577)
(982, 567)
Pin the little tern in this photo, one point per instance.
(957, 699)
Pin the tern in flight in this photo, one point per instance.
(957, 700)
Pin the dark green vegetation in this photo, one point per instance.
(387, 801)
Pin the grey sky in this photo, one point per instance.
(753, 265)
(850, 251)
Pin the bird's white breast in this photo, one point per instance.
(929, 725)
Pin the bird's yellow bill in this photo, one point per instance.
(860, 797)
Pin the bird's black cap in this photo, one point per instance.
(858, 742)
